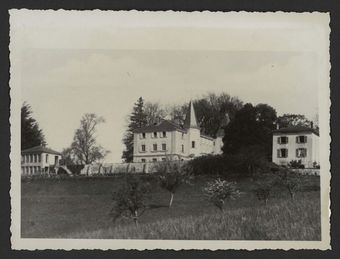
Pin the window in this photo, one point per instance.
(193, 144)
(163, 147)
(143, 148)
(154, 147)
(154, 159)
(143, 160)
(163, 159)
(155, 134)
(282, 152)
(23, 159)
(164, 134)
(46, 158)
(301, 139)
(182, 148)
(35, 158)
(301, 152)
(143, 135)
(31, 158)
(282, 140)
(39, 158)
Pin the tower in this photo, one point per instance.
(193, 130)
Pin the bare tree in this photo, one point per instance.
(154, 112)
(84, 145)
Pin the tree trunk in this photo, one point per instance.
(135, 218)
(171, 199)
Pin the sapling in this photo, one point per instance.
(131, 199)
(172, 174)
(218, 191)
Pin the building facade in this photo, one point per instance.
(38, 160)
(155, 142)
(296, 143)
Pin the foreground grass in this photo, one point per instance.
(79, 208)
(286, 220)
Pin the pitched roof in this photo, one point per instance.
(190, 118)
(164, 125)
(40, 149)
(297, 129)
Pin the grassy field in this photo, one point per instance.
(79, 208)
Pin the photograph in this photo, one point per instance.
(169, 130)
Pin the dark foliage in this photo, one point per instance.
(247, 162)
(252, 126)
(31, 134)
(297, 164)
(137, 119)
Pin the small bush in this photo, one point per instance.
(297, 164)
(218, 191)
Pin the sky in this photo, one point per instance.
(68, 69)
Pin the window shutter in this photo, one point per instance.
(297, 152)
(305, 137)
(279, 140)
(278, 153)
(297, 139)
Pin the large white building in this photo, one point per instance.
(296, 143)
(155, 142)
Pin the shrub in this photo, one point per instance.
(131, 199)
(316, 165)
(297, 164)
(218, 191)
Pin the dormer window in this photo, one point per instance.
(301, 139)
(282, 140)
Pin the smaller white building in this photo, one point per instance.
(296, 143)
(38, 160)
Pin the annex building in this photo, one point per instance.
(155, 142)
(296, 143)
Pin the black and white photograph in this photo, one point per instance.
(169, 130)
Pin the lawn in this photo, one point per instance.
(80, 208)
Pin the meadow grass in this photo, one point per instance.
(79, 208)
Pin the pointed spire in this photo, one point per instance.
(190, 118)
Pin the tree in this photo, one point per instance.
(173, 173)
(68, 156)
(31, 134)
(131, 199)
(137, 120)
(211, 111)
(218, 191)
(251, 126)
(154, 112)
(287, 120)
(84, 145)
